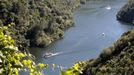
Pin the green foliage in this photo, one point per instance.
(76, 69)
(12, 61)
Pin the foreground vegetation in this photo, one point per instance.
(13, 61)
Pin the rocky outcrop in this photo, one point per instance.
(37, 22)
(115, 60)
(126, 14)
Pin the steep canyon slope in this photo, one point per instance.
(37, 22)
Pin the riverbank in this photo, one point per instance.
(37, 23)
(126, 13)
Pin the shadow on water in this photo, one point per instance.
(125, 24)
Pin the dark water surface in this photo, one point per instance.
(95, 28)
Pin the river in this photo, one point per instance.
(95, 28)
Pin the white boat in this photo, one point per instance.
(50, 54)
(108, 7)
(103, 34)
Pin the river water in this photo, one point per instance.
(95, 28)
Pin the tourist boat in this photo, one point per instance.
(50, 54)
(108, 7)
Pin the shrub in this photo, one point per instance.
(12, 61)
